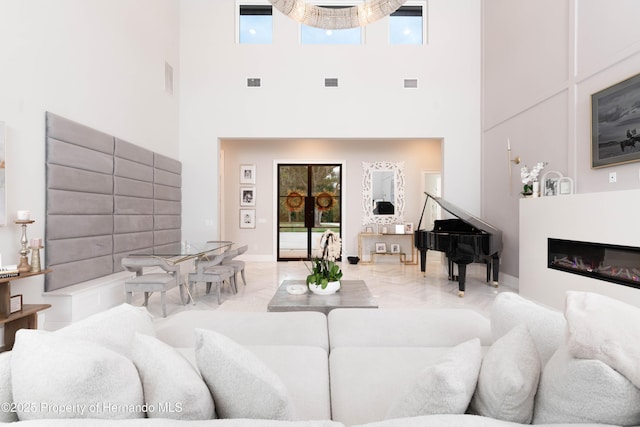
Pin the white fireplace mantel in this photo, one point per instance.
(608, 217)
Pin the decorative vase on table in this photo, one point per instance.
(531, 186)
(331, 288)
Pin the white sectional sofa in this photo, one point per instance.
(354, 367)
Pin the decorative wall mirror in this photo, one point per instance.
(382, 192)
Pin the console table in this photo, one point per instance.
(388, 238)
(27, 318)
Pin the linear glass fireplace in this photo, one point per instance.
(613, 263)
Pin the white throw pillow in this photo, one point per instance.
(113, 328)
(604, 329)
(55, 377)
(546, 326)
(509, 378)
(445, 387)
(7, 415)
(241, 384)
(584, 391)
(172, 387)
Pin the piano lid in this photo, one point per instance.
(468, 218)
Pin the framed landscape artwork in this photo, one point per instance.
(615, 124)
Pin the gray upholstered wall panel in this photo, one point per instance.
(163, 192)
(132, 205)
(72, 179)
(75, 272)
(73, 202)
(78, 134)
(131, 241)
(132, 223)
(79, 201)
(65, 154)
(165, 222)
(127, 150)
(69, 250)
(167, 164)
(70, 226)
(163, 237)
(166, 207)
(106, 198)
(129, 169)
(133, 194)
(132, 187)
(170, 179)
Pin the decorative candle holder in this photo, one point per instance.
(24, 266)
(35, 259)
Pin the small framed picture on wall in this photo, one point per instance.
(247, 196)
(247, 218)
(247, 174)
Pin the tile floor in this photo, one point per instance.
(394, 285)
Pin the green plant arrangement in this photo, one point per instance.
(322, 272)
(324, 268)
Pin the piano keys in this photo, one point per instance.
(465, 239)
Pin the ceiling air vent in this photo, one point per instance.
(253, 82)
(331, 82)
(410, 83)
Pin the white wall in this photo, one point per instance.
(542, 60)
(416, 155)
(100, 63)
(370, 101)
(606, 217)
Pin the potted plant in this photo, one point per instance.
(530, 179)
(324, 275)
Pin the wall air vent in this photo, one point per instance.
(410, 83)
(331, 82)
(253, 82)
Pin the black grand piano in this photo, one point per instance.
(464, 239)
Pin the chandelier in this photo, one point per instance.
(337, 18)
